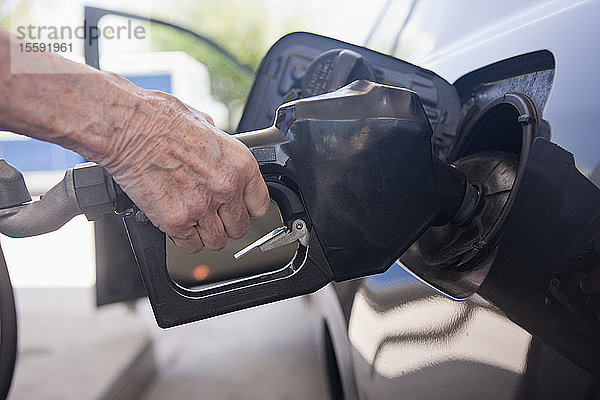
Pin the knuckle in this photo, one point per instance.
(203, 215)
(216, 242)
(227, 187)
(167, 102)
(187, 242)
(190, 246)
(177, 220)
(201, 208)
(159, 98)
(249, 163)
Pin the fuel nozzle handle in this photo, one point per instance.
(263, 137)
(362, 162)
(359, 100)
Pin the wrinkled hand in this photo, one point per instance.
(196, 183)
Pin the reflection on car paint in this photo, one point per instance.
(400, 328)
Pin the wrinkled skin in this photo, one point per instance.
(194, 182)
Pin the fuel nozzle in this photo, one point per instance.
(361, 160)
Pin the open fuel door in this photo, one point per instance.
(363, 171)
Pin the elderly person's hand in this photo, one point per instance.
(194, 182)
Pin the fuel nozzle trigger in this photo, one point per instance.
(294, 216)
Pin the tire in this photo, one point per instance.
(8, 329)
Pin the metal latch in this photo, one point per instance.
(278, 237)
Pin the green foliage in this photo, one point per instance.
(239, 26)
(229, 84)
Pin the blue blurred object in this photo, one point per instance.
(35, 155)
(160, 82)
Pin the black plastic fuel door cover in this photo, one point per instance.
(282, 76)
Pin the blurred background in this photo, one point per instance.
(68, 348)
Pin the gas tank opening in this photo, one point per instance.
(507, 124)
(497, 130)
(491, 151)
